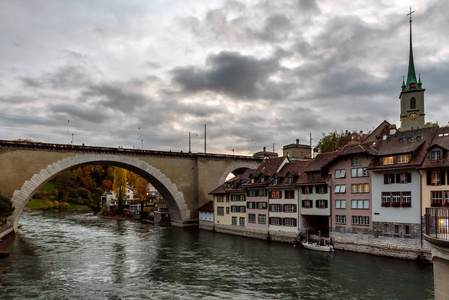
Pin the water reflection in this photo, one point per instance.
(75, 255)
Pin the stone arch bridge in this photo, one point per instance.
(183, 179)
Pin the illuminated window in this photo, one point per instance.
(436, 178)
(388, 160)
(275, 194)
(403, 158)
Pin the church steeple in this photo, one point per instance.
(412, 83)
(412, 94)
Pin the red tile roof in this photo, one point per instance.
(209, 206)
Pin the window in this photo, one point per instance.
(256, 193)
(252, 180)
(289, 222)
(340, 188)
(307, 190)
(436, 177)
(404, 177)
(396, 197)
(220, 198)
(403, 158)
(262, 179)
(356, 161)
(341, 204)
(340, 219)
(289, 179)
(388, 160)
(241, 197)
(242, 209)
(252, 218)
(360, 220)
(275, 181)
(359, 172)
(389, 178)
(242, 221)
(290, 194)
(220, 211)
(321, 203)
(275, 221)
(289, 207)
(321, 189)
(386, 199)
(262, 219)
(340, 173)
(407, 229)
(276, 207)
(313, 175)
(307, 203)
(262, 205)
(275, 194)
(360, 204)
(406, 199)
(396, 229)
(413, 103)
(360, 188)
(234, 208)
(251, 205)
(435, 155)
(234, 220)
(436, 198)
(227, 210)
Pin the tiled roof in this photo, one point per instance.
(415, 141)
(303, 180)
(441, 140)
(295, 168)
(321, 160)
(209, 206)
(269, 166)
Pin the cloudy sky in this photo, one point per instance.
(113, 72)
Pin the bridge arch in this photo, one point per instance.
(169, 191)
(239, 167)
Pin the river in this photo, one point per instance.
(75, 255)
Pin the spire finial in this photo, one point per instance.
(410, 14)
(411, 75)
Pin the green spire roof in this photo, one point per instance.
(412, 83)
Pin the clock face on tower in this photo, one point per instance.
(413, 115)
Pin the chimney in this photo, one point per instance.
(264, 149)
(297, 141)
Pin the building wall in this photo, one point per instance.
(346, 164)
(426, 190)
(396, 214)
(314, 210)
(225, 204)
(257, 212)
(406, 123)
(283, 215)
(206, 216)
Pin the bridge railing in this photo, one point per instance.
(437, 222)
(117, 150)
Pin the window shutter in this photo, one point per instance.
(270, 208)
(325, 205)
(325, 189)
(294, 222)
(281, 221)
(317, 189)
(409, 177)
(398, 177)
(303, 189)
(443, 177)
(429, 178)
(269, 220)
(295, 208)
(281, 208)
(385, 178)
(302, 203)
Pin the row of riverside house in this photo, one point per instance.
(368, 197)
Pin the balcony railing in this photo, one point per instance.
(437, 222)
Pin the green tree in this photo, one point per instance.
(6, 208)
(332, 141)
(64, 183)
(119, 187)
(430, 124)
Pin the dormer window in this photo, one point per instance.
(289, 179)
(436, 155)
(356, 161)
(262, 179)
(388, 160)
(275, 180)
(403, 158)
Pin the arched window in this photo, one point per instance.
(413, 103)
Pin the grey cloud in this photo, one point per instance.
(115, 97)
(230, 73)
(75, 111)
(30, 82)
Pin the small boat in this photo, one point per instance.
(316, 246)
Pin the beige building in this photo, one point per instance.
(297, 151)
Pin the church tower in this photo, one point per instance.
(412, 94)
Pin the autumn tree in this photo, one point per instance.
(119, 187)
(6, 209)
(64, 183)
(332, 141)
